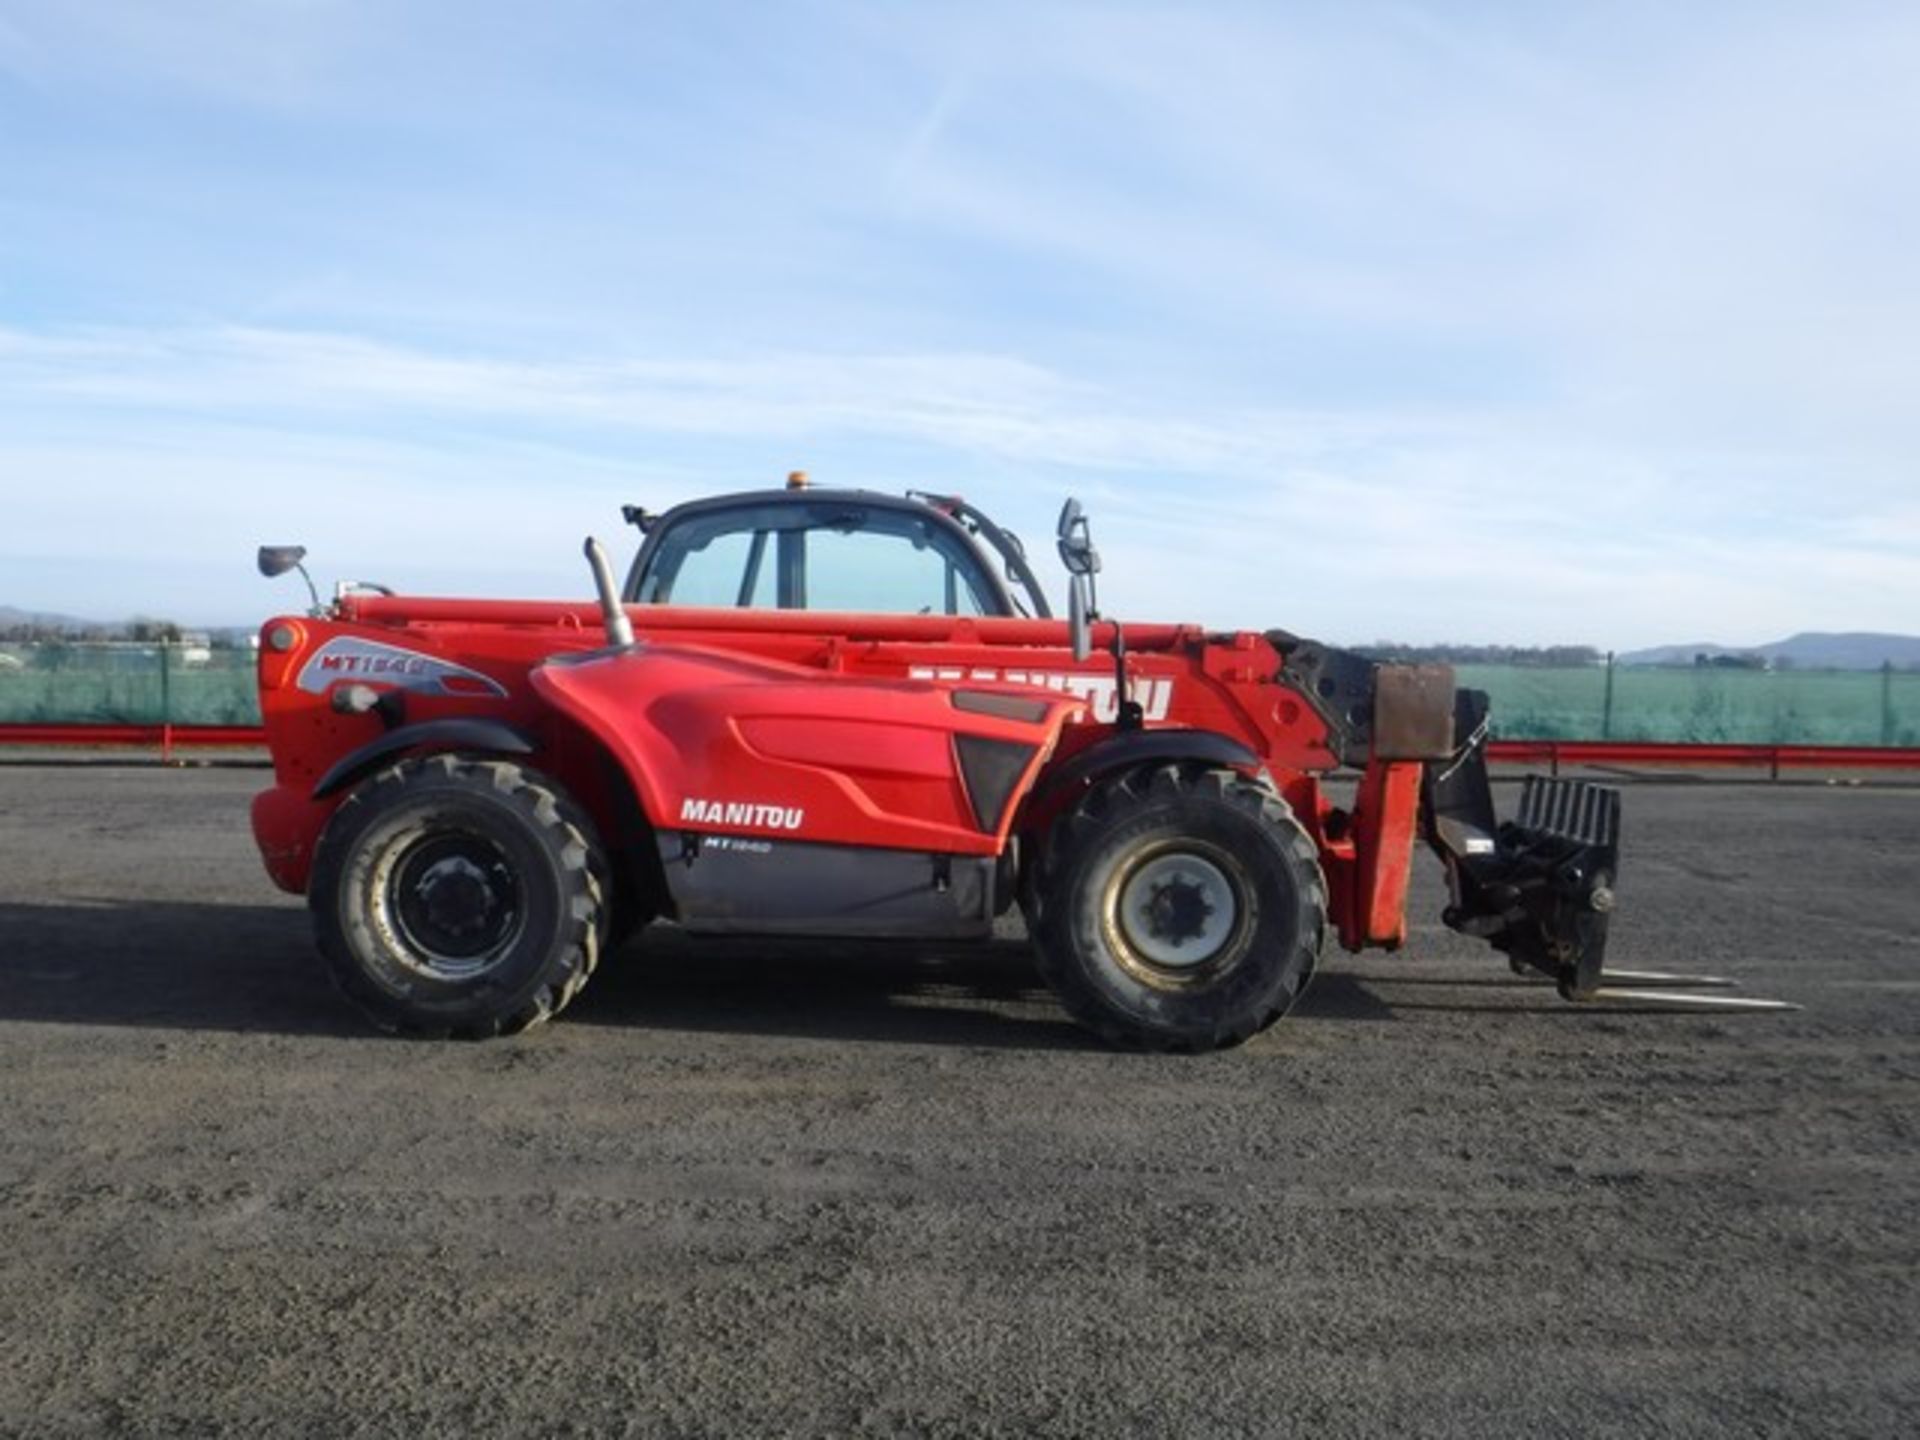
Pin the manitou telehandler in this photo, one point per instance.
(840, 713)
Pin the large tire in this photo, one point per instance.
(1181, 908)
(455, 896)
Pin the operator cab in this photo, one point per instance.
(852, 551)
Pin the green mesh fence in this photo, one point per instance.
(62, 684)
(1702, 705)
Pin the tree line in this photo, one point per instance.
(139, 631)
(39, 632)
(1558, 657)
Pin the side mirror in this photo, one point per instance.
(275, 560)
(1079, 625)
(1076, 543)
(1083, 563)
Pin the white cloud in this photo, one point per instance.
(982, 403)
(1351, 524)
(1379, 319)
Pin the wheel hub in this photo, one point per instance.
(454, 904)
(456, 895)
(1177, 910)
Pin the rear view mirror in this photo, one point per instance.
(1083, 563)
(279, 559)
(275, 560)
(1076, 543)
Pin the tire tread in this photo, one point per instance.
(544, 804)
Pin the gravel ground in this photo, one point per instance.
(822, 1190)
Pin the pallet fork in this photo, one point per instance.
(1540, 886)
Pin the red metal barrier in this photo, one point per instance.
(1555, 753)
(168, 738)
(1654, 752)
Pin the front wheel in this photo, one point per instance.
(458, 896)
(1182, 908)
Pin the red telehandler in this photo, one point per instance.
(841, 713)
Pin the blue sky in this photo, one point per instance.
(1477, 322)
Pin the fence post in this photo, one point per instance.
(166, 702)
(1886, 702)
(1606, 705)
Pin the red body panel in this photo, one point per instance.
(847, 718)
(1386, 823)
(722, 743)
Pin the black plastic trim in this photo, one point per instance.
(1004, 707)
(459, 733)
(991, 767)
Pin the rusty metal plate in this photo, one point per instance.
(1413, 712)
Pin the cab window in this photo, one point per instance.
(865, 559)
(873, 572)
(728, 567)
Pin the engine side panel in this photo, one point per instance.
(727, 745)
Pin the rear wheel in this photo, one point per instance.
(459, 896)
(1180, 908)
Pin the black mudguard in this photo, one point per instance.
(1128, 748)
(1538, 887)
(493, 737)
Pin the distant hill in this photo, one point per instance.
(1810, 650)
(9, 615)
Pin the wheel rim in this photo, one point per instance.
(451, 903)
(1178, 915)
